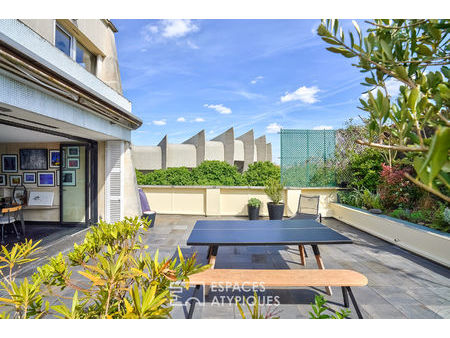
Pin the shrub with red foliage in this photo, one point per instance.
(395, 190)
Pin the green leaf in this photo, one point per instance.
(357, 27)
(331, 41)
(323, 31)
(401, 72)
(424, 50)
(386, 49)
(412, 99)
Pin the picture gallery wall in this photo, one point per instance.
(38, 165)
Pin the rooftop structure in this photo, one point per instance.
(240, 151)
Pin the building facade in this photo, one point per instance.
(240, 151)
(65, 127)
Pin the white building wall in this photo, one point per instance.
(25, 40)
(181, 155)
(238, 150)
(147, 157)
(214, 151)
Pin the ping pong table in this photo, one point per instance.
(217, 233)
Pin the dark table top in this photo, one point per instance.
(242, 232)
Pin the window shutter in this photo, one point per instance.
(114, 181)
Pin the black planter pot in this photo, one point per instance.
(253, 213)
(275, 210)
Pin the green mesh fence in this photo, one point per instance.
(308, 158)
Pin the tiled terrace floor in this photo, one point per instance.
(401, 284)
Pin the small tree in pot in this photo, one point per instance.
(274, 189)
(253, 208)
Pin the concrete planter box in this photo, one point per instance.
(426, 242)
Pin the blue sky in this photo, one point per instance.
(183, 76)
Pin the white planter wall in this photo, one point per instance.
(227, 201)
(426, 242)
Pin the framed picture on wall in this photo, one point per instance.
(69, 177)
(29, 178)
(73, 151)
(54, 158)
(2, 180)
(15, 180)
(46, 179)
(9, 163)
(73, 163)
(33, 159)
(64, 158)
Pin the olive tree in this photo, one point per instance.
(416, 123)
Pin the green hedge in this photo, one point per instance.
(212, 173)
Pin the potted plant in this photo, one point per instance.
(253, 208)
(274, 189)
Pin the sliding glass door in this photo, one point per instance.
(77, 184)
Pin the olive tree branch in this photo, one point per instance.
(389, 147)
(427, 188)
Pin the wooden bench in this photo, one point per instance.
(281, 278)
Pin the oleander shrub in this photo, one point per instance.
(109, 275)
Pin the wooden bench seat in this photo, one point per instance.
(281, 278)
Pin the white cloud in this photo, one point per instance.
(199, 119)
(192, 44)
(153, 29)
(323, 128)
(304, 94)
(273, 128)
(220, 108)
(181, 119)
(392, 87)
(257, 79)
(170, 29)
(178, 28)
(159, 122)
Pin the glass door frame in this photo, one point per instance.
(90, 191)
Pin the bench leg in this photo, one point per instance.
(192, 307)
(301, 248)
(212, 253)
(22, 222)
(345, 296)
(352, 297)
(320, 265)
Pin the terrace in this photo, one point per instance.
(401, 284)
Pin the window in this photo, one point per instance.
(85, 58)
(63, 41)
(72, 48)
